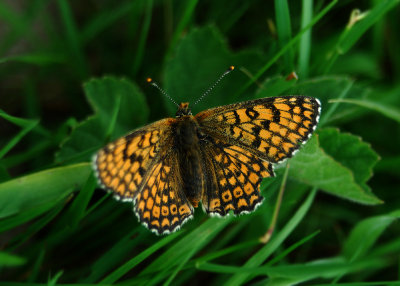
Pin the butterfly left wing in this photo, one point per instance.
(140, 167)
(270, 128)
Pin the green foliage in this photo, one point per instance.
(73, 79)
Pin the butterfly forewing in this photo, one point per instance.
(270, 128)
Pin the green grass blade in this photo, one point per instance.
(388, 111)
(354, 32)
(283, 50)
(121, 271)
(27, 126)
(263, 254)
(284, 30)
(143, 37)
(186, 17)
(72, 38)
(104, 20)
(305, 41)
(39, 59)
(7, 259)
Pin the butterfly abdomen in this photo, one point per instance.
(189, 157)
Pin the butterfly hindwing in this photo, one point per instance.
(162, 205)
(270, 128)
(233, 179)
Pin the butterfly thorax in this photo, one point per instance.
(187, 147)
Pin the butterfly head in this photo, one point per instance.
(183, 110)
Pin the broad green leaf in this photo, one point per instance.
(351, 152)
(119, 108)
(365, 234)
(32, 191)
(315, 167)
(105, 93)
(200, 58)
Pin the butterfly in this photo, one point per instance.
(216, 158)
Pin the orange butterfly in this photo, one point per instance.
(217, 158)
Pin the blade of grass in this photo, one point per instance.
(261, 255)
(186, 17)
(332, 108)
(388, 111)
(357, 27)
(284, 30)
(38, 59)
(26, 124)
(72, 39)
(105, 19)
(283, 50)
(305, 41)
(267, 236)
(143, 37)
(122, 270)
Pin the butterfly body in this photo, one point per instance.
(187, 146)
(216, 158)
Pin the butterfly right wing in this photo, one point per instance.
(271, 128)
(233, 178)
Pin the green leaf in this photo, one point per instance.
(32, 191)
(365, 234)
(119, 107)
(188, 75)
(105, 93)
(351, 152)
(314, 167)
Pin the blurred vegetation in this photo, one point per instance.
(72, 78)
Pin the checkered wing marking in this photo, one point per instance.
(162, 205)
(121, 166)
(140, 167)
(233, 178)
(270, 128)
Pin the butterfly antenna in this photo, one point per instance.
(231, 68)
(150, 81)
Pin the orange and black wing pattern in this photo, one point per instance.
(233, 179)
(139, 167)
(244, 140)
(271, 128)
